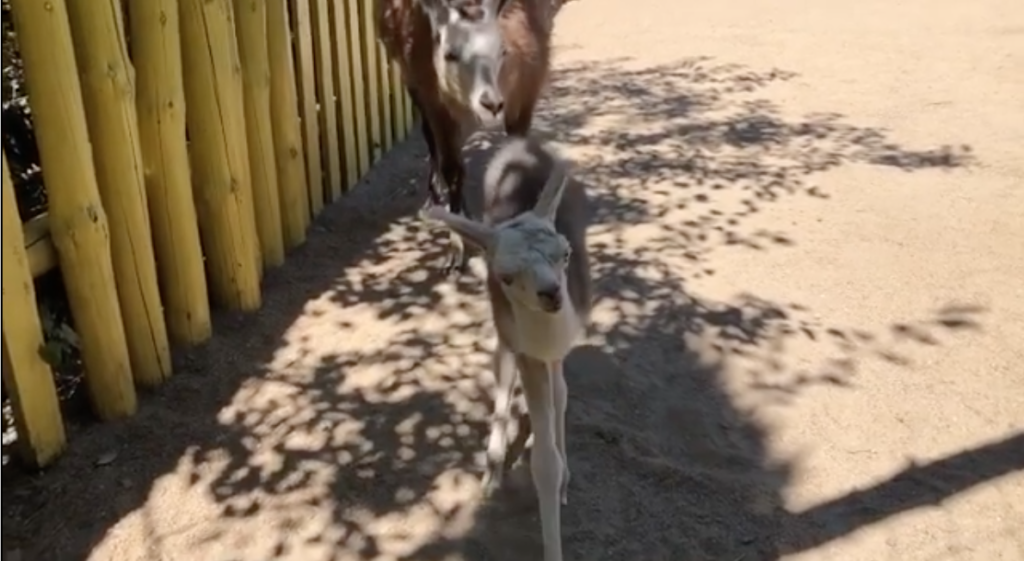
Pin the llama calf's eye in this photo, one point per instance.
(451, 56)
(506, 280)
(567, 255)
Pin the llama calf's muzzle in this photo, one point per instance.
(550, 299)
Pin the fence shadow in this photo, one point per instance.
(345, 420)
(270, 387)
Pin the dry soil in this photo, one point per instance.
(808, 234)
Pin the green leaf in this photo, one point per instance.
(52, 353)
(68, 334)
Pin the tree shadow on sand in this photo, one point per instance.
(345, 420)
(665, 464)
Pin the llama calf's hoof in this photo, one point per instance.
(429, 212)
(455, 263)
(453, 269)
(491, 484)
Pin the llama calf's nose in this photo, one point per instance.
(492, 103)
(550, 298)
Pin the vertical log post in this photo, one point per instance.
(384, 75)
(356, 67)
(78, 223)
(306, 69)
(325, 81)
(291, 172)
(251, 30)
(219, 153)
(372, 72)
(28, 378)
(160, 101)
(108, 89)
(397, 108)
(410, 109)
(343, 80)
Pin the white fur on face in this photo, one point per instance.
(468, 62)
(528, 256)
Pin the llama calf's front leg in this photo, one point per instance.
(561, 399)
(456, 261)
(497, 444)
(518, 446)
(455, 258)
(546, 462)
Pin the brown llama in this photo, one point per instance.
(467, 64)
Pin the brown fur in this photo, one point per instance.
(404, 29)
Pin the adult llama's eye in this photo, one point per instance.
(507, 280)
(451, 56)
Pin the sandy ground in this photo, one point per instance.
(807, 233)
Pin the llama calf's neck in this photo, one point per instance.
(543, 335)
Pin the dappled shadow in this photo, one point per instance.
(345, 420)
(697, 147)
(291, 412)
(665, 461)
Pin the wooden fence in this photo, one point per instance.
(156, 211)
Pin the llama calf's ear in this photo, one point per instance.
(476, 233)
(551, 196)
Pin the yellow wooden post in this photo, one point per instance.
(355, 53)
(343, 81)
(401, 96)
(284, 109)
(328, 115)
(251, 29)
(397, 107)
(410, 109)
(303, 32)
(369, 51)
(218, 153)
(26, 375)
(160, 102)
(42, 256)
(78, 223)
(384, 75)
(108, 89)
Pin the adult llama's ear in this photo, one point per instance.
(476, 233)
(551, 196)
(494, 7)
(438, 12)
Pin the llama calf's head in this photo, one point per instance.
(469, 51)
(526, 254)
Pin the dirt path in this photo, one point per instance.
(807, 229)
